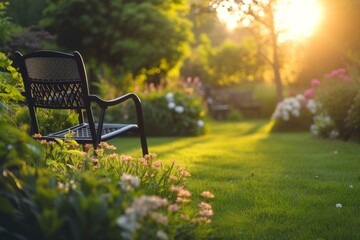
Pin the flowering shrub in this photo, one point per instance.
(173, 114)
(353, 118)
(75, 194)
(168, 113)
(335, 95)
(330, 106)
(293, 113)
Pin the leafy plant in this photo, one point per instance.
(168, 113)
(335, 95)
(108, 197)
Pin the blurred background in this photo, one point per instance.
(196, 59)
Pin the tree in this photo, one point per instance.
(260, 13)
(133, 36)
(6, 28)
(26, 12)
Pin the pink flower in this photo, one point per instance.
(184, 193)
(341, 70)
(206, 212)
(309, 93)
(345, 78)
(336, 73)
(315, 82)
(207, 194)
(173, 208)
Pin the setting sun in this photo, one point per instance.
(296, 19)
(293, 19)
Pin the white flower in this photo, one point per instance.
(311, 106)
(338, 205)
(179, 109)
(171, 105)
(169, 96)
(285, 116)
(162, 235)
(200, 123)
(129, 182)
(140, 208)
(296, 113)
(334, 134)
(351, 186)
(128, 223)
(300, 97)
(327, 119)
(314, 129)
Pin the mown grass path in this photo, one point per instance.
(269, 185)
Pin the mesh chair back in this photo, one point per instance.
(55, 82)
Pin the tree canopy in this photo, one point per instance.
(134, 36)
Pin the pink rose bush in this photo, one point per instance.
(334, 96)
(330, 107)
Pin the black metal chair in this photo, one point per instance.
(56, 80)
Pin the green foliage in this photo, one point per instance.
(173, 114)
(233, 63)
(197, 64)
(26, 12)
(138, 37)
(14, 142)
(167, 113)
(74, 195)
(9, 81)
(49, 120)
(353, 118)
(6, 27)
(10, 96)
(336, 95)
(227, 64)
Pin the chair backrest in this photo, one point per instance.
(54, 80)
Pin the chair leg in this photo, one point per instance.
(143, 141)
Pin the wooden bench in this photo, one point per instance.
(220, 101)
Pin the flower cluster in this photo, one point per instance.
(140, 208)
(171, 103)
(289, 107)
(179, 108)
(334, 95)
(180, 113)
(293, 111)
(148, 198)
(323, 124)
(329, 107)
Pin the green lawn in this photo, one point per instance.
(267, 185)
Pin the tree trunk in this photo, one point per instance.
(276, 63)
(276, 69)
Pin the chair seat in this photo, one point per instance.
(82, 134)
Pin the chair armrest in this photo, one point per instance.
(108, 103)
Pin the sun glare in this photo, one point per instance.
(294, 19)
